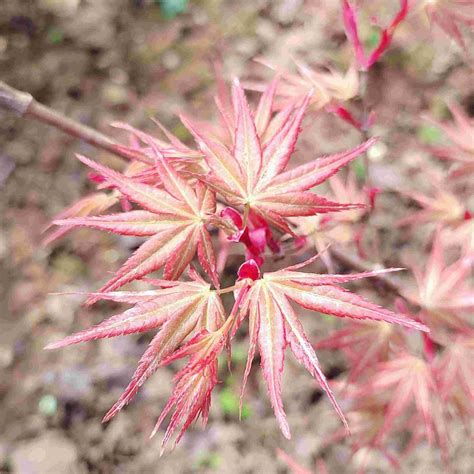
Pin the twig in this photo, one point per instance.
(24, 105)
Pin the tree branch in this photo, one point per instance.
(24, 105)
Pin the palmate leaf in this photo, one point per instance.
(407, 382)
(181, 310)
(274, 325)
(192, 323)
(249, 171)
(364, 343)
(444, 292)
(174, 218)
(328, 84)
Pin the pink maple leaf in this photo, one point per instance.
(179, 309)
(174, 218)
(251, 173)
(273, 324)
(443, 291)
(461, 134)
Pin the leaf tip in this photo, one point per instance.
(285, 429)
(153, 433)
(51, 346)
(107, 417)
(423, 327)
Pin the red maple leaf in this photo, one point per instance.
(250, 171)
(274, 324)
(444, 291)
(180, 310)
(461, 133)
(174, 218)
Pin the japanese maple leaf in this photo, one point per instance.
(438, 206)
(141, 167)
(363, 343)
(251, 174)
(274, 325)
(180, 310)
(444, 291)
(461, 134)
(142, 152)
(408, 385)
(328, 85)
(400, 395)
(454, 373)
(174, 218)
(211, 332)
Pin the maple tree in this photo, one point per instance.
(407, 371)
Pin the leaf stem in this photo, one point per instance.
(237, 286)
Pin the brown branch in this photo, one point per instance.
(24, 105)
